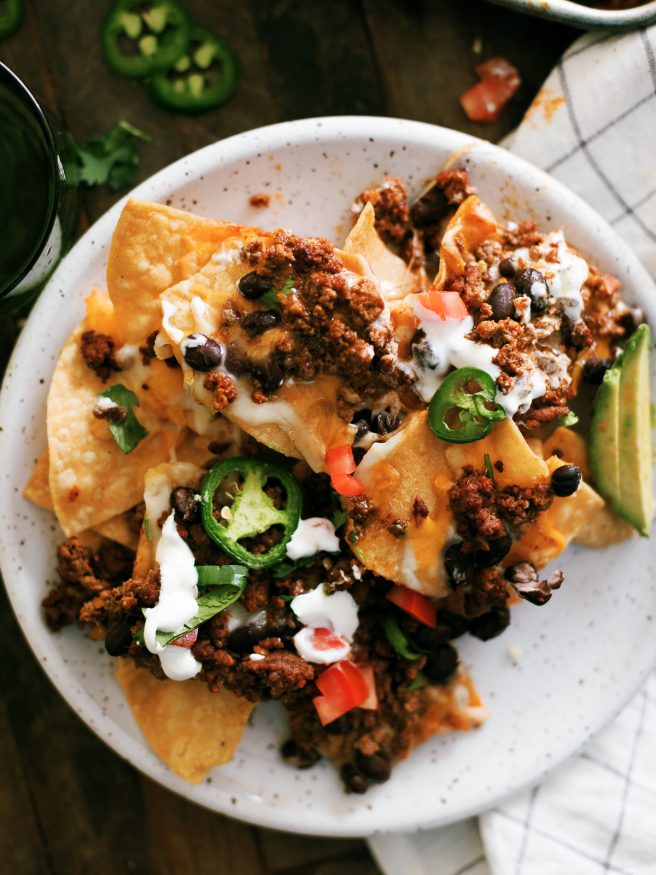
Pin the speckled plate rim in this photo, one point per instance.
(577, 15)
(159, 187)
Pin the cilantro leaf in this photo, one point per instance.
(210, 604)
(338, 517)
(130, 431)
(285, 568)
(570, 419)
(112, 159)
(220, 575)
(270, 298)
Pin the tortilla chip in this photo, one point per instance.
(118, 529)
(302, 421)
(91, 480)
(601, 528)
(190, 728)
(395, 277)
(456, 706)
(410, 465)
(471, 224)
(37, 488)
(154, 247)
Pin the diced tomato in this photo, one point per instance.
(499, 82)
(415, 604)
(346, 485)
(447, 305)
(187, 640)
(326, 639)
(371, 702)
(341, 464)
(343, 686)
(340, 460)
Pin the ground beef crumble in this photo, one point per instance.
(98, 352)
(222, 388)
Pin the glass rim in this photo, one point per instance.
(7, 75)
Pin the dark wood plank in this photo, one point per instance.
(425, 53)
(188, 840)
(284, 852)
(318, 58)
(87, 801)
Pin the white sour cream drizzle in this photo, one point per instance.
(316, 610)
(451, 348)
(312, 535)
(202, 314)
(169, 310)
(176, 605)
(565, 275)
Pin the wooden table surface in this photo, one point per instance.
(68, 804)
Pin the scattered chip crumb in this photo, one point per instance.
(477, 46)
(260, 200)
(515, 653)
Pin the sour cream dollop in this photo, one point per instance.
(177, 603)
(317, 610)
(312, 535)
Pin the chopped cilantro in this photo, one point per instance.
(130, 432)
(270, 298)
(112, 159)
(146, 525)
(285, 568)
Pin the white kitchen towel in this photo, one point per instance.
(592, 126)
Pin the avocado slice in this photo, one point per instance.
(620, 436)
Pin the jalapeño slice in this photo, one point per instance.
(463, 408)
(11, 18)
(252, 511)
(157, 33)
(203, 78)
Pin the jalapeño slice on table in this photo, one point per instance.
(141, 38)
(463, 408)
(203, 78)
(243, 482)
(10, 17)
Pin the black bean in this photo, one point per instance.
(362, 419)
(498, 548)
(594, 370)
(235, 360)
(441, 665)
(426, 638)
(253, 285)
(202, 353)
(507, 268)
(429, 208)
(185, 503)
(502, 301)
(384, 423)
(260, 321)
(268, 373)
(243, 639)
(340, 726)
(297, 756)
(459, 566)
(565, 480)
(531, 282)
(425, 355)
(490, 624)
(376, 766)
(358, 454)
(118, 638)
(454, 625)
(354, 780)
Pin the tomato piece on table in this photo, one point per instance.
(499, 82)
(415, 604)
(343, 686)
(447, 305)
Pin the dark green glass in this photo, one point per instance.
(38, 208)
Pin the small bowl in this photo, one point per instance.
(578, 15)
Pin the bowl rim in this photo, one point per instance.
(159, 186)
(576, 14)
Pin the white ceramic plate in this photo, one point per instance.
(584, 653)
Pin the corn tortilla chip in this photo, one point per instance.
(190, 728)
(154, 247)
(37, 488)
(91, 480)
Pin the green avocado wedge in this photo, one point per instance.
(621, 434)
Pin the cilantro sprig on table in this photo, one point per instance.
(111, 160)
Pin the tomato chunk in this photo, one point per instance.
(187, 640)
(326, 639)
(447, 305)
(415, 604)
(341, 464)
(371, 702)
(499, 82)
(343, 686)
